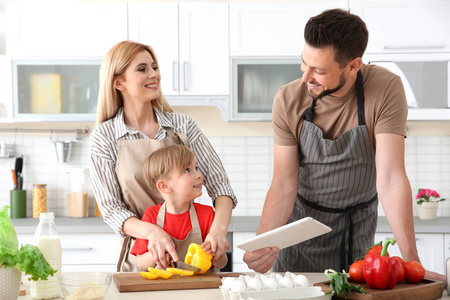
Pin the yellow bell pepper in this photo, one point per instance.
(198, 258)
(149, 275)
(180, 271)
(160, 273)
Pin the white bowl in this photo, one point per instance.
(85, 285)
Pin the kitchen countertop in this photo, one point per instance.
(237, 224)
(196, 294)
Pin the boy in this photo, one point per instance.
(173, 173)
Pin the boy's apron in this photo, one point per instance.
(137, 196)
(194, 236)
(337, 186)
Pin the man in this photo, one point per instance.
(344, 124)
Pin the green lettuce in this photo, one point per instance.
(29, 259)
(32, 262)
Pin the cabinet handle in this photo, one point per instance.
(175, 76)
(185, 84)
(78, 249)
(412, 47)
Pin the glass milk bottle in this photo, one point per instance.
(47, 240)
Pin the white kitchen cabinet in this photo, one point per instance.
(64, 28)
(238, 254)
(430, 247)
(405, 26)
(447, 246)
(86, 252)
(272, 28)
(191, 44)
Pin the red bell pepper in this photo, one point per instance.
(380, 271)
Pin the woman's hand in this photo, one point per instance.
(217, 245)
(160, 245)
(261, 260)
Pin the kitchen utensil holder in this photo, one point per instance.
(63, 150)
(18, 203)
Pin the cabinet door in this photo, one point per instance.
(85, 252)
(64, 28)
(156, 24)
(447, 246)
(272, 28)
(204, 55)
(238, 263)
(430, 247)
(405, 25)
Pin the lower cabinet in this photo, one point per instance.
(447, 247)
(429, 245)
(238, 254)
(83, 252)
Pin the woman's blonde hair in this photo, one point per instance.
(161, 162)
(114, 64)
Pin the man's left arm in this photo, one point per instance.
(394, 191)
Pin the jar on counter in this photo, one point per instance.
(39, 199)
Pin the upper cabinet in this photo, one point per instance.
(272, 28)
(190, 40)
(405, 26)
(64, 28)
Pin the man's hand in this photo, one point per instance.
(261, 260)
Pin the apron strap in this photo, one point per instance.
(348, 213)
(360, 99)
(308, 115)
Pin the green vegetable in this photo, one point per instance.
(33, 262)
(28, 259)
(339, 282)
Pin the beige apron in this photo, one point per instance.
(194, 236)
(137, 196)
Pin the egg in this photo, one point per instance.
(285, 283)
(238, 286)
(227, 282)
(254, 284)
(290, 275)
(277, 277)
(263, 277)
(301, 281)
(270, 284)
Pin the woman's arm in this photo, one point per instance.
(216, 241)
(159, 242)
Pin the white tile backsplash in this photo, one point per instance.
(248, 161)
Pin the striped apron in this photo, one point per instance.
(137, 196)
(337, 186)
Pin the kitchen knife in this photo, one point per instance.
(185, 266)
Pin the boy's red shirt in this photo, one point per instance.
(177, 226)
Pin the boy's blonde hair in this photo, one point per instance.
(114, 64)
(161, 162)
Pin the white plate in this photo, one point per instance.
(286, 236)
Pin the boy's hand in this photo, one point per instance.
(215, 244)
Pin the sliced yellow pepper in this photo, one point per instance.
(180, 271)
(198, 258)
(160, 273)
(149, 275)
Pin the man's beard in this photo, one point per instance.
(342, 81)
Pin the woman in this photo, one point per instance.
(133, 120)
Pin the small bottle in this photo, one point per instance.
(39, 199)
(47, 240)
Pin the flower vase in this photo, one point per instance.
(427, 210)
(10, 278)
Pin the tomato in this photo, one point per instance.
(401, 273)
(356, 271)
(414, 271)
(400, 260)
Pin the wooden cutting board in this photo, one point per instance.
(424, 290)
(134, 282)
